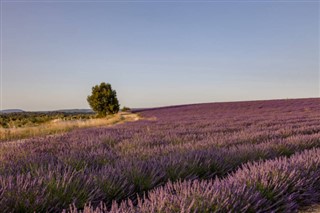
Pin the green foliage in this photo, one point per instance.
(103, 100)
(125, 109)
(30, 119)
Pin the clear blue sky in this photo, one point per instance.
(158, 53)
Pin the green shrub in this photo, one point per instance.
(125, 109)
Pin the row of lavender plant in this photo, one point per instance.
(280, 185)
(144, 139)
(190, 142)
(126, 177)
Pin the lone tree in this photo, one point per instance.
(103, 100)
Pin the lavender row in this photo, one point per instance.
(280, 185)
(54, 187)
(143, 140)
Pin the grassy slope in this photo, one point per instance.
(59, 126)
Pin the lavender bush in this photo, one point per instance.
(280, 185)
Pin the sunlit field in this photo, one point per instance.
(60, 126)
(257, 156)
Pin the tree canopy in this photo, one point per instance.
(103, 100)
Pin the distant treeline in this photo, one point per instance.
(28, 119)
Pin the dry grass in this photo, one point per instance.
(312, 209)
(60, 126)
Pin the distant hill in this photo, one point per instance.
(11, 110)
(74, 110)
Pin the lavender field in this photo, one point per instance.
(258, 156)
